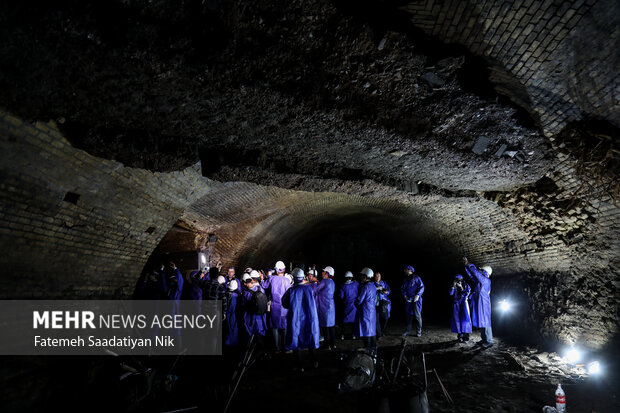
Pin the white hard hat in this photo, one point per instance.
(246, 277)
(280, 266)
(297, 274)
(329, 270)
(233, 285)
(348, 274)
(488, 269)
(290, 278)
(254, 274)
(221, 279)
(312, 271)
(367, 272)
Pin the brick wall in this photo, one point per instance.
(559, 52)
(93, 243)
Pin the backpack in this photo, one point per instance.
(258, 303)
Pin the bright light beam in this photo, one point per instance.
(505, 306)
(573, 355)
(594, 368)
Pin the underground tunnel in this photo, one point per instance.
(376, 134)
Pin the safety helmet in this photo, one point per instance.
(248, 270)
(312, 272)
(297, 274)
(246, 277)
(233, 285)
(280, 266)
(289, 277)
(409, 267)
(367, 272)
(488, 269)
(254, 274)
(221, 279)
(458, 277)
(329, 270)
(348, 274)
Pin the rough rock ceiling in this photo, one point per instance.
(319, 88)
(292, 87)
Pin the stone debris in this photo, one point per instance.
(500, 151)
(433, 80)
(481, 145)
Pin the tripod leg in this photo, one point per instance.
(246, 359)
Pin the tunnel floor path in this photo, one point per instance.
(504, 378)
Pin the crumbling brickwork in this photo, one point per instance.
(557, 52)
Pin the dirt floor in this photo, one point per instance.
(503, 378)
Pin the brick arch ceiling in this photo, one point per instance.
(563, 53)
(251, 221)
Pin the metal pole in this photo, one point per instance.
(400, 359)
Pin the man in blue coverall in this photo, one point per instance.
(481, 300)
(412, 290)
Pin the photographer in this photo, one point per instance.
(384, 305)
(460, 322)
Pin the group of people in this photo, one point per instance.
(298, 309)
(301, 310)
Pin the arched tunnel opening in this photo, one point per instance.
(338, 133)
(350, 239)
